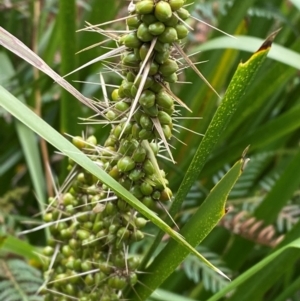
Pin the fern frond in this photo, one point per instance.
(197, 271)
(19, 281)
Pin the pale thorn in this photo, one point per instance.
(94, 45)
(137, 97)
(104, 91)
(61, 294)
(162, 136)
(95, 83)
(105, 23)
(213, 27)
(180, 141)
(98, 59)
(146, 60)
(182, 127)
(195, 69)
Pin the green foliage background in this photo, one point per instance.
(264, 214)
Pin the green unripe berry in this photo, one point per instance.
(143, 33)
(147, 99)
(183, 13)
(139, 154)
(131, 40)
(117, 282)
(136, 175)
(156, 28)
(148, 19)
(82, 234)
(166, 194)
(137, 235)
(133, 22)
(164, 99)
(153, 68)
(163, 11)
(172, 22)
(152, 112)
(78, 142)
(168, 67)
(182, 31)
(114, 172)
(144, 7)
(144, 49)
(111, 115)
(122, 106)
(145, 134)
(171, 78)
(164, 118)
(146, 189)
(125, 164)
(176, 4)
(168, 36)
(167, 131)
(130, 60)
(146, 122)
(148, 202)
(148, 167)
(136, 191)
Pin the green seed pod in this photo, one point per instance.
(66, 233)
(130, 60)
(144, 49)
(136, 175)
(156, 28)
(133, 22)
(136, 52)
(125, 164)
(156, 87)
(169, 35)
(144, 7)
(133, 90)
(136, 191)
(145, 134)
(161, 47)
(122, 205)
(182, 31)
(111, 141)
(113, 229)
(82, 234)
(183, 13)
(148, 83)
(148, 202)
(164, 118)
(133, 262)
(144, 34)
(114, 172)
(137, 235)
(79, 142)
(166, 194)
(168, 67)
(135, 130)
(140, 222)
(67, 251)
(148, 19)
(163, 11)
(127, 130)
(91, 141)
(117, 282)
(74, 244)
(111, 115)
(130, 76)
(170, 111)
(146, 122)
(89, 279)
(139, 154)
(48, 251)
(86, 266)
(176, 4)
(155, 147)
(152, 112)
(125, 182)
(164, 99)
(106, 267)
(161, 57)
(97, 227)
(115, 95)
(153, 68)
(156, 195)
(133, 279)
(122, 106)
(117, 131)
(172, 22)
(171, 78)
(146, 189)
(110, 209)
(147, 99)
(123, 233)
(126, 87)
(167, 131)
(148, 167)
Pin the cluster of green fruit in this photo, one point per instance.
(92, 228)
